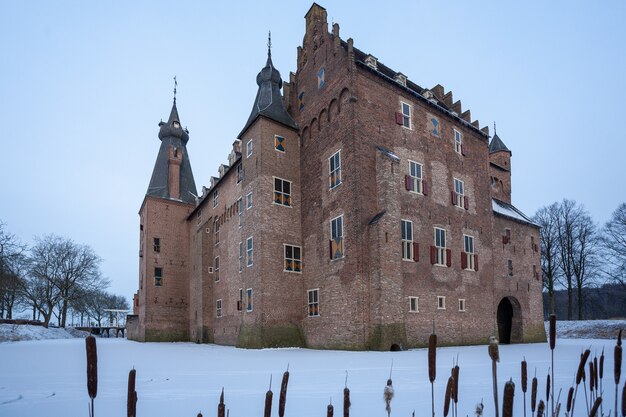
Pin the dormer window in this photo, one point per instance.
(371, 61)
(400, 79)
(176, 124)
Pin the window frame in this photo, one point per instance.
(158, 277)
(156, 244)
(283, 143)
(293, 258)
(462, 305)
(218, 308)
(312, 311)
(458, 142)
(240, 257)
(249, 148)
(440, 251)
(239, 173)
(460, 201)
(216, 231)
(249, 251)
(216, 268)
(469, 255)
(249, 200)
(240, 211)
(337, 169)
(406, 117)
(249, 300)
(216, 196)
(413, 299)
(436, 130)
(282, 193)
(407, 244)
(341, 236)
(441, 302)
(417, 182)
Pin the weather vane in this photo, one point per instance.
(494, 127)
(269, 41)
(175, 85)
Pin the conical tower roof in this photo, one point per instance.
(497, 145)
(269, 101)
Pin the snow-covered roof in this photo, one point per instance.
(510, 211)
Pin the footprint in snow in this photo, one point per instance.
(52, 395)
(19, 397)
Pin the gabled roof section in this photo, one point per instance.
(269, 101)
(509, 211)
(496, 145)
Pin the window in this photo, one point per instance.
(320, 78)
(510, 268)
(240, 256)
(217, 268)
(158, 277)
(293, 258)
(440, 247)
(240, 211)
(249, 148)
(334, 167)
(406, 115)
(314, 303)
(458, 194)
(218, 308)
(249, 200)
(156, 244)
(217, 231)
(240, 300)
(215, 198)
(249, 251)
(279, 143)
(434, 126)
(414, 179)
(468, 258)
(239, 173)
(461, 304)
(441, 302)
(249, 299)
(407, 240)
(413, 304)
(336, 238)
(282, 192)
(199, 216)
(458, 142)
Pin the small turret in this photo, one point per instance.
(500, 169)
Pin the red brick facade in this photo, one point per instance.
(349, 109)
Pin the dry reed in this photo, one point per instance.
(507, 401)
(346, 402)
(448, 396)
(221, 407)
(533, 395)
(624, 400)
(552, 345)
(494, 354)
(524, 382)
(388, 396)
(432, 367)
(330, 410)
(283, 394)
(267, 412)
(131, 399)
(548, 387)
(455, 375)
(617, 364)
(596, 405)
(540, 408)
(92, 369)
(570, 395)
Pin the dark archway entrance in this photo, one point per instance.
(395, 348)
(509, 319)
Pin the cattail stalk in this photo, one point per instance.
(330, 410)
(580, 374)
(524, 382)
(283, 393)
(617, 364)
(346, 402)
(507, 401)
(552, 345)
(601, 376)
(570, 396)
(131, 401)
(455, 375)
(540, 408)
(596, 405)
(221, 407)
(591, 380)
(268, 401)
(446, 401)
(548, 387)
(92, 369)
(494, 353)
(533, 395)
(432, 367)
(623, 401)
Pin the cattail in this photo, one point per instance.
(591, 376)
(494, 351)
(540, 408)
(533, 395)
(552, 331)
(330, 410)
(283, 394)
(446, 402)
(92, 369)
(601, 370)
(524, 376)
(548, 387)
(221, 407)
(455, 390)
(595, 372)
(581, 366)
(507, 402)
(432, 357)
(131, 402)
(617, 361)
(570, 395)
(268, 400)
(494, 354)
(596, 405)
(346, 402)
(199, 414)
(388, 396)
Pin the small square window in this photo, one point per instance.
(293, 258)
(414, 304)
(279, 143)
(441, 302)
(461, 304)
(249, 148)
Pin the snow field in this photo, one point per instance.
(181, 379)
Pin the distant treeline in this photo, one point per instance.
(605, 302)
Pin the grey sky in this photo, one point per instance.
(83, 86)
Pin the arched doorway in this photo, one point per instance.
(395, 348)
(509, 319)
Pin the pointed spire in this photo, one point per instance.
(496, 144)
(175, 85)
(269, 101)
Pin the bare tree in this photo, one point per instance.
(614, 242)
(11, 271)
(585, 257)
(546, 217)
(566, 220)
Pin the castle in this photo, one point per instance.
(357, 211)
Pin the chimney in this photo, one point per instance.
(173, 179)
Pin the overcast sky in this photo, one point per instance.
(84, 84)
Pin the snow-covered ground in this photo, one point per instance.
(19, 332)
(588, 329)
(48, 377)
